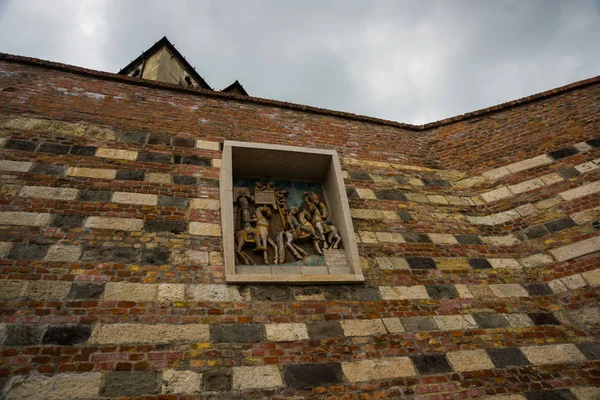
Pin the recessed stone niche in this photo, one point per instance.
(263, 185)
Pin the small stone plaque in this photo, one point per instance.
(265, 197)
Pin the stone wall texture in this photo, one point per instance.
(478, 235)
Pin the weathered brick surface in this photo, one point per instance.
(478, 241)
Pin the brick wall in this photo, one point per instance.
(478, 236)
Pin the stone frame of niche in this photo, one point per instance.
(278, 162)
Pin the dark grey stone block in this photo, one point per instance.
(168, 201)
(125, 255)
(324, 329)
(185, 180)
(351, 193)
(67, 221)
(435, 182)
(164, 140)
(208, 182)
(468, 239)
(591, 351)
(217, 380)
(420, 262)
(271, 293)
(49, 169)
(390, 194)
(54, 148)
(507, 356)
(130, 383)
(194, 160)
(27, 251)
(563, 153)
(184, 142)
(132, 137)
(96, 196)
(401, 180)
(438, 292)
(559, 224)
(22, 145)
(306, 376)
(86, 290)
(490, 321)
(544, 319)
(23, 335)
(596, 225)
(431, 364)
(155, 157)
(595, 142)
(405, 216)
(412, 237)
(83, 150)
(341, 292)
(569, 172)
(65, 335)
(418, 324)
(360, 176)
(155, 257)
(479, 263)
(244, 333)
(130, 175)
(563, 394)
(538, 289)
(535, 232)
(162, 225)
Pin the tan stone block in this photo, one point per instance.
(117, 154)
(386, 368)
(508, 240)
(403, 292)
(586, 216)
(365, 214)
(42, 192)
(205, 204)
(454, 322)
(586, 392)
(443, 238)
(124, 291)
(5, 248)
(469, 182)
(452, 263)
(457, 201)
(387, 215)
(181, 382)
(257, 377)
(389, 237)
(437, 199)
(416, 198)
(56, 387)
(557, 286)
(547, 203)
(363, 327)
(553, 354)
(469, 360)
(463, 291)
(366, 193)
(444, 217)
(526, 186)
(526, 210)
(92, 172)
(507, 397)
(581, 191)
(61, 252)
(207, 145)
(451, 174)
(149, 333)
(135, 198)
(481, 291)
(90, 132)
(586, 316)
(551, 179)
(496, 174)
(189, 257)
(216, 163)
(574, 281)
(495, 219)
(47, 289)
(204, 229)
(592, 277)
(530, 163)
(576, 249)
(508, 290)
(286, 332)
(156, 177)
(216, 258)
(24, 218)
(12, 289)
(15, 166)
(586, 167)
(115, 223)
(583, 147)
(171, 292)
(536, 260)
(384, 182)
(367, 237)
(518, 320)
(500, 263)
(415, 182)
(393, 325)
(496, 194)
(214, 293)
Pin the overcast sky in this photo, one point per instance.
(408, 61)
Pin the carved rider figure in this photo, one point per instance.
(247, 219)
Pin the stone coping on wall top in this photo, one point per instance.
(293, 106)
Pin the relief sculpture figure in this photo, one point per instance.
(320, 219)
(248, 234)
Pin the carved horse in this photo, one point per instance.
(262, 226)
(299, 231)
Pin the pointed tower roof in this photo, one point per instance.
(237, 88)
(163, 62)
